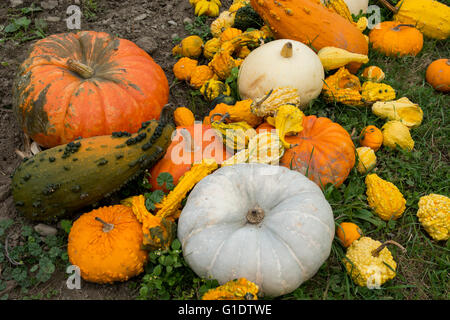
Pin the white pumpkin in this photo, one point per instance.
(266, 223)
(278, 64)
(355, 6)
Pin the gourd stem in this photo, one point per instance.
(106, 226)
(255, 215)
(388, 5)
(286, 51)
(190, 144)
(377, 251)
(221, 120)
(80, 68)
(397, 27)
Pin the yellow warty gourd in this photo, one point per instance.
(334, 58)
(373, 92)
(396, 134)
(384, 198)
(403, 110)
(369, 263)
(366, 159)
(240, 289)
(434, 215)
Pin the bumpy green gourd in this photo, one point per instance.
(61, 180)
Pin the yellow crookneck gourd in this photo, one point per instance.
(335, 58)
(239, 289)
(272, 100)
(288, 120)
(370, 263)
(384, 198)
(403, 110)
(158, 232)
(170, 204)
(434, 215)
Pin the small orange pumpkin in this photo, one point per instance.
(438, 75)
(394, 38)
(348, 232)
(106, 245)
(371, 137)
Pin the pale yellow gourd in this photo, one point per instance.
(403, 110)
(334, 58)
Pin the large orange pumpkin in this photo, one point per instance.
(325, 152)
(189, 144)
(86, 84)
(313, 24)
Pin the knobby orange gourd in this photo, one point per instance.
(313, 24)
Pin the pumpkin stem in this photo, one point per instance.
(377, 251)
(255, 215)
(397, 27)
(388, 5)
(286, 51)
(106, 226)
(81, 69)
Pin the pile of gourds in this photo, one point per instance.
(263, 184)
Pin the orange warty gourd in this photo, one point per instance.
(313, 24)
(325, 152)
(106, 244)
(86, 84)
(438, 75)
(371, 137)
(189, 145)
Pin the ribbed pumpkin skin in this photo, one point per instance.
(203, 141)
(283, 250)
(106, 257)
(55, 105)
(311, 23)
(325, 151)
